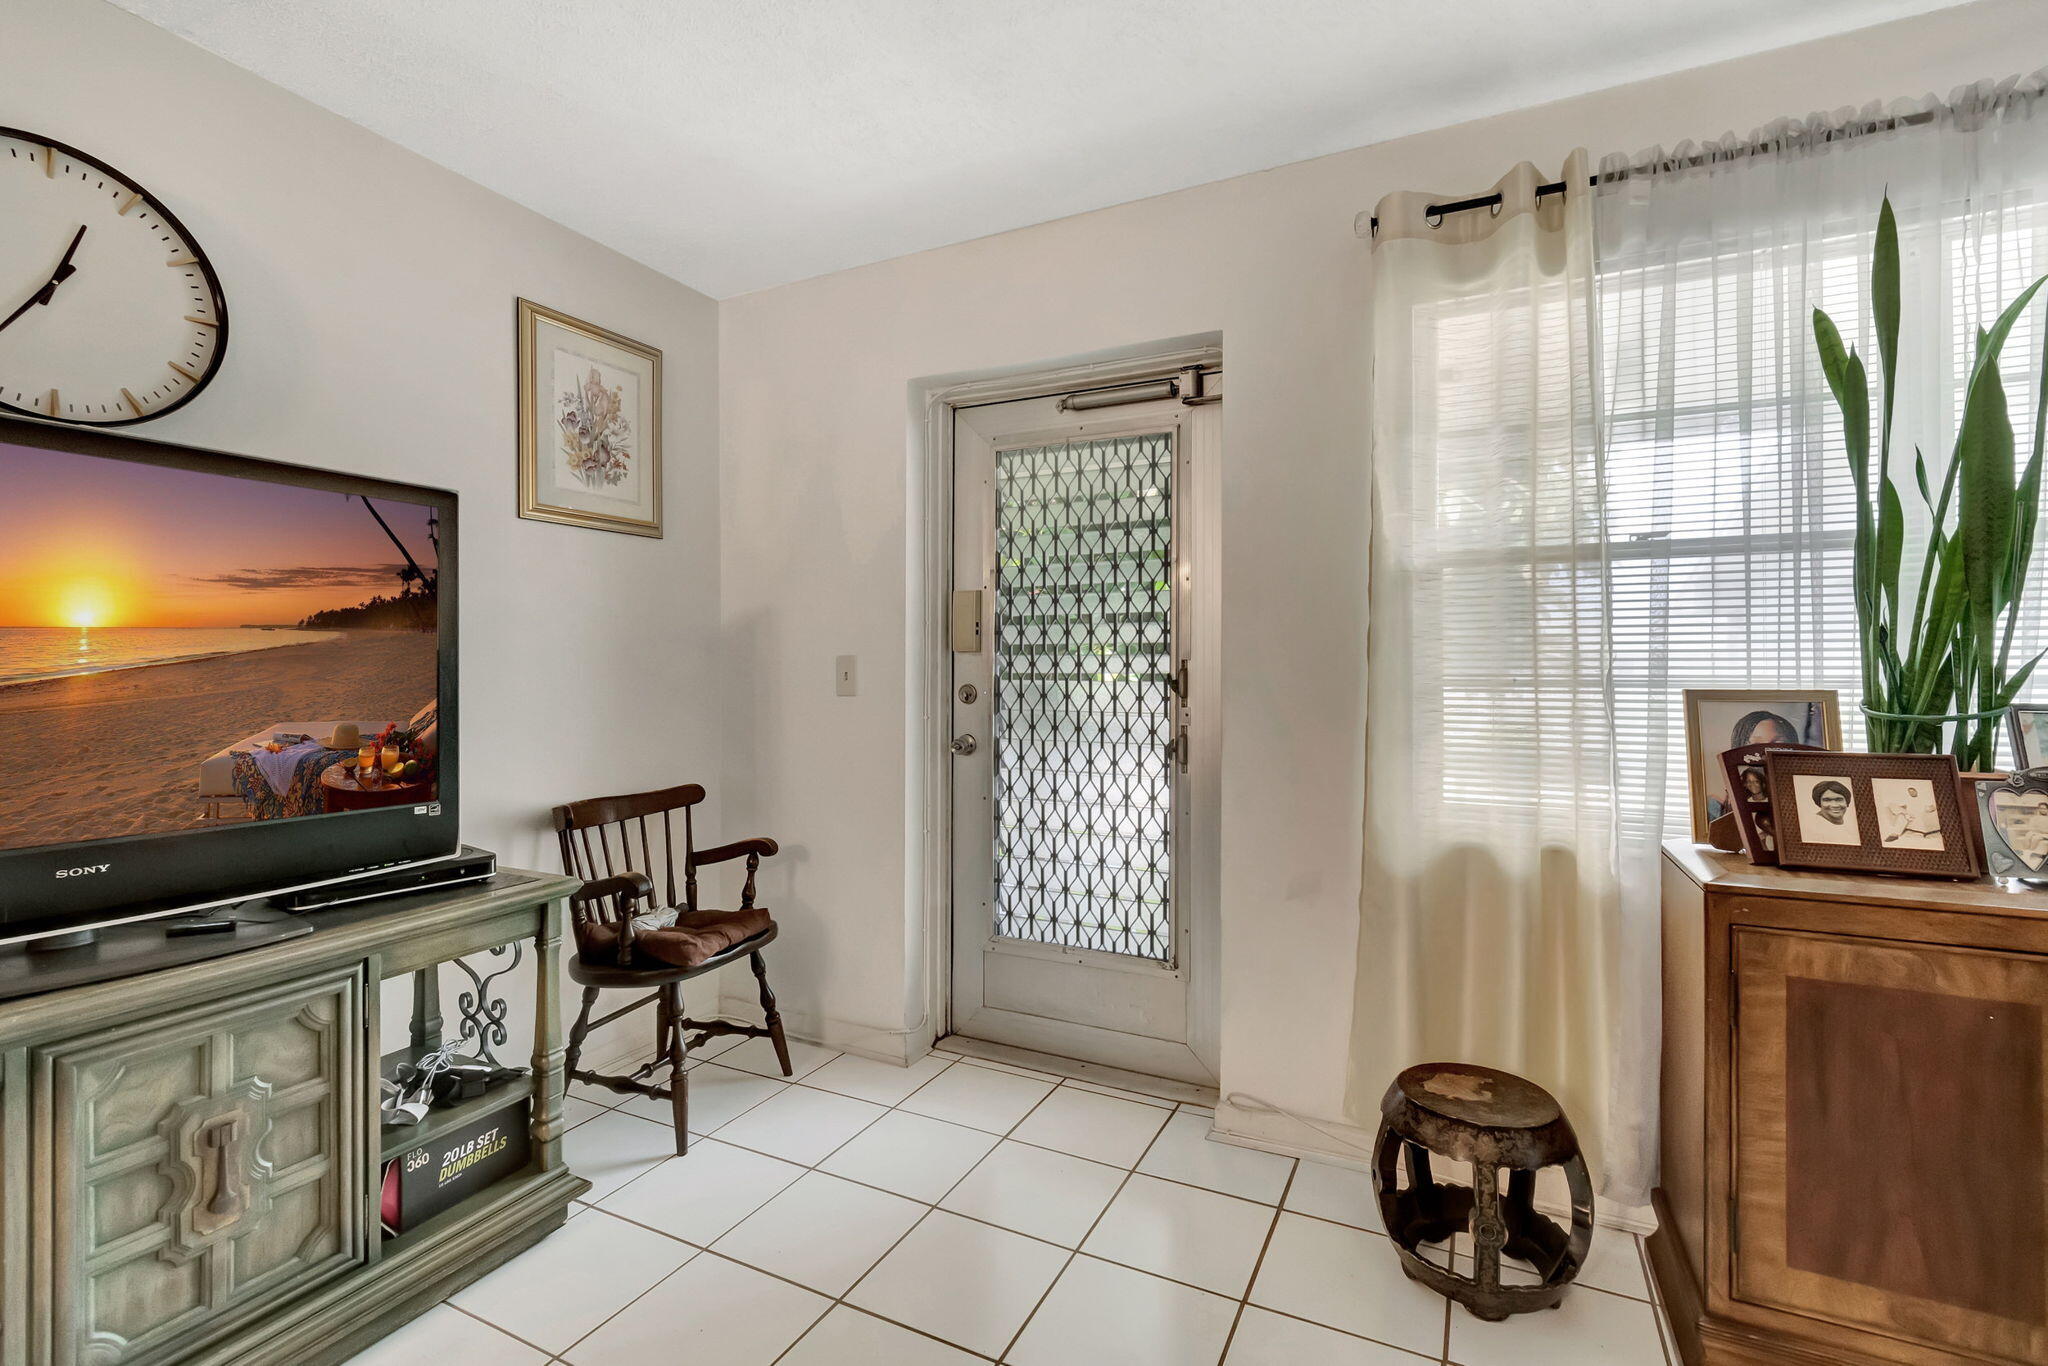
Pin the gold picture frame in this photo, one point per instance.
(1708, 737)
(589, 425)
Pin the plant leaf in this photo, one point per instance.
(1884, 311)
(1891, 546)
(1844, 372)
(2019, 680)
(1985, 515)
(1991, 342)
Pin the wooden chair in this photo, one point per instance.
(620, 846)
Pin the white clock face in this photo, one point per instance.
(113, 314)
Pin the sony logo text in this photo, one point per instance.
(85, 871)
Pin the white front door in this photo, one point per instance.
(1071, 729)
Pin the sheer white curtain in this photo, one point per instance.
(1493, 927)
(1606, 469)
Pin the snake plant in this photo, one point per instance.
(1953, 658)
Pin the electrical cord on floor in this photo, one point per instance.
(1258, 1105)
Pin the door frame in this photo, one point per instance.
(931, 696)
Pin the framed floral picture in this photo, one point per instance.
(589, 425)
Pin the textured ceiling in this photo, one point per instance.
(738, 144)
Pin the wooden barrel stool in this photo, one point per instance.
(1493, 1120)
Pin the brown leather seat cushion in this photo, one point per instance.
(695, 937)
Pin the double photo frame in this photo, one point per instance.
(1876, 813)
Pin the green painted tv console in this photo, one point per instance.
(190, 1157)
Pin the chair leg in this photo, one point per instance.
(774, 1018)
(678, 1056)
(577, 1033)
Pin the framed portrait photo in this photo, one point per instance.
(2014, 815)
(1873, 813)
(2027, 728)
(589, 425)
(1718, 720)
(1751, 789)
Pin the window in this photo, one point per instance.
(1730, 507)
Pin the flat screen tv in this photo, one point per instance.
(219, 677)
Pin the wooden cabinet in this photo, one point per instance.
(200, 1167)
(1854, 1121)
(189, 1158)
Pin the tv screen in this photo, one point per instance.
(215, 673)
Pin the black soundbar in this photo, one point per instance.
(468, 865)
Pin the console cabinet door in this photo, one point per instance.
(199, 1167)
(1888, 1162)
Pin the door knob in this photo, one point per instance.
(964, 744)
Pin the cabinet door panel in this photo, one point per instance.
(200, 1167)
(1889, 1157)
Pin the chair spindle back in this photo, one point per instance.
(605, 837)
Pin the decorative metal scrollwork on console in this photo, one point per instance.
(483, 1015)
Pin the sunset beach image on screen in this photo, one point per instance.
(181, 649)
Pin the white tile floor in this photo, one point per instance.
(955, 1212)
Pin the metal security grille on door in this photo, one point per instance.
(1084, 701)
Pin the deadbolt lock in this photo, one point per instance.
(968, 694)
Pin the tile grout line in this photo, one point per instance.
(1072, 1252)
(930, 1210)
(1237, 1317)
(1055, 1084)
(716, 1135)
(1665, 1332)
(1345, 1332)
(697, 1250)
(1075, 1251)
(696, 1253)
(498, 1328)
(971, 1218)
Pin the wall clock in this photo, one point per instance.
(110, 314)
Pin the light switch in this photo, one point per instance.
(846, 679)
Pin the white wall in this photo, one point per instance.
(372, 297)
(818, 489)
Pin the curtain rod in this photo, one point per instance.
(1488, 201)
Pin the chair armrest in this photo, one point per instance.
(628, 888)
(760, 846)
(756, 849)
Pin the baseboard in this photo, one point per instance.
(1158, 1088)
(1677, 1284)
(882, 1045)
(1347, 1145)
(1273, 1131)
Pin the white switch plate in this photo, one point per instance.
(846, 676)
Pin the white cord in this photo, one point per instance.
(1258, 1105)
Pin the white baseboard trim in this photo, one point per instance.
(1347, 1145)
(881, 1045)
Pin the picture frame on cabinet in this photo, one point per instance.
(1721, 719)
(1873, 813)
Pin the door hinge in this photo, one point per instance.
(1177, 749)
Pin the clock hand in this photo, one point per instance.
(65, 270)
(41, 296)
